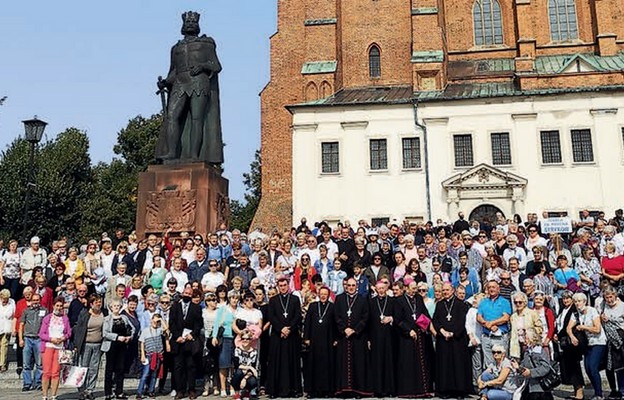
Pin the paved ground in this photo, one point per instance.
(66, 394)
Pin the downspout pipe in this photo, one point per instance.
(426, 150)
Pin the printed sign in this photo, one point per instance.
(557, 225)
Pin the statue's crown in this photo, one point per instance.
(190, 16)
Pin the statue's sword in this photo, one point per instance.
(163, 97)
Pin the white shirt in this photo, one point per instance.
(106, 261)
(212, 279)
(332, 249)
(472, 326)
(180, 276)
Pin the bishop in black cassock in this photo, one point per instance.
(351, 316)
(320, 333)
(453, 370)
(415, 347)
(382, 337)
(284, 366)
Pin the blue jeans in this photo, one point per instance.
(593, 356)
(148, 378)
(494, 394)
(32, 355)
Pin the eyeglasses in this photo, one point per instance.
(351, 285)
(482, 237)
(198, 239)
(376, 259)
(505, 279)
(211, 300)
(165, 302)
(213, 265)
(251, 300)
(518, 302)
(305, 259)
(497, 352)
(532, 230)
(422, 290)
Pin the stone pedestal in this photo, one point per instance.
(191, 197)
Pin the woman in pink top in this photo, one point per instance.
(54, 333)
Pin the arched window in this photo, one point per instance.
(488, 22)
(311, 92)
(374, 62)
(325, 90)
(562, 15)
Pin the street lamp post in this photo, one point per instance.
(33, 129)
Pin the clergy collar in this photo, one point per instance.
(351, 296)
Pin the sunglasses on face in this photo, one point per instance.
(497, 352)
(211, 300)
(518, 302)
(422, 290)
(164, 302)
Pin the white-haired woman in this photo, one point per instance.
(499, 380)
(535, 365)
(588, 323)
(117, 333)
(7, 311)
(524, 321)
(612, 317)
(410, 250)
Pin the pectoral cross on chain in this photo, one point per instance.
(349, 313)
(448, 317)
(285, 315)
(414, 316)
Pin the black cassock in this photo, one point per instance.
(382, 338)
(320, 330)
(284, 364)
(415, 357)
(453, 361)
(351, 353)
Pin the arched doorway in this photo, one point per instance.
(485, 211)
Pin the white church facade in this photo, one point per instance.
(387, 154)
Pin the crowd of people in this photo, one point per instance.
(409, 310)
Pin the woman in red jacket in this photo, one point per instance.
(303, 271)
(548, 319)
(612, 265)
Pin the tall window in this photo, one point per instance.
(330, 157)
(374, 62)
(378, 154)
(582, 150)
(463, 150)
(501, 150)
(411, 153)
(551, 147)
(562, 15)
(488, 22)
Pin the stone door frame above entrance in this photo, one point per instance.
(484, 183)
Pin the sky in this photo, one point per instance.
(93, 65)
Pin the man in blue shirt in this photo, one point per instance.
(493, 314)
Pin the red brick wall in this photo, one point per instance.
(391, 25)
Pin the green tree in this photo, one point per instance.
(62, 179)
(136, 143)
(242, 212)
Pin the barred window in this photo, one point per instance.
(551, 147)
(488, 22)
(380, 221)
(330, 157)
(463, 150)
(562, 15)
(378, 154)
(374, 62)
(501, 149)
(582, 150)
(411, 153)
